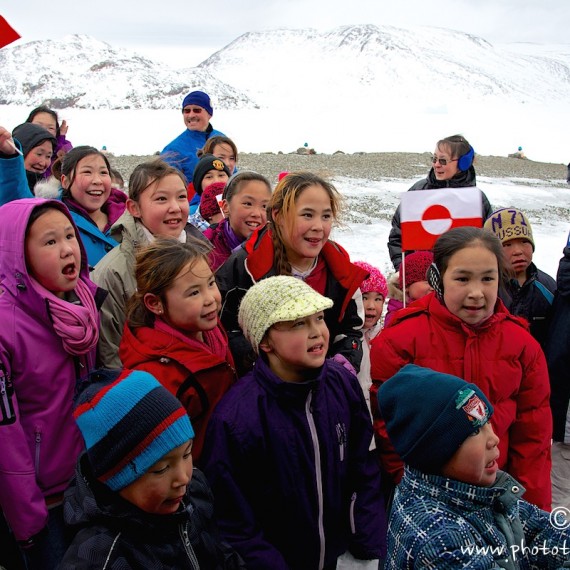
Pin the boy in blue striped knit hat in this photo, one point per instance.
(136, 500)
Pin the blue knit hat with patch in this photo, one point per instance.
(200, 99)
(129, 424)
(430, 414)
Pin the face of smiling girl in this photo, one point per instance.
(90, 183)
(162, 207)
(193, 301)
(311, 227)
(246, 209)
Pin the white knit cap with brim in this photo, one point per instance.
(274, 300)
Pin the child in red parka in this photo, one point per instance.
(463, 328)
(173, 330)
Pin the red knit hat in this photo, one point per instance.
(208, 203)
(416, 265)
(375, 282)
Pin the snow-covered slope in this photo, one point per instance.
(79, 71)
(349, 67)
(354, 64)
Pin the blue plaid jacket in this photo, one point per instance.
(440, 523)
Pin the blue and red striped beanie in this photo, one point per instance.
(128, 425)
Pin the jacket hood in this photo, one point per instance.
(48, 188)
(31, 135)
(394, 291)
(14, 276)
(142, 345)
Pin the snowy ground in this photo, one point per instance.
(370, 205)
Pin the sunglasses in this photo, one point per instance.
(442, 161)
(195, 110)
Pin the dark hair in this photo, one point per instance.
(212, 142)
(156, 268)
(457, 145)
(71, 160)
(283, 201)
(457, 239)
(148, 173)
(44, 109)
(235, 183)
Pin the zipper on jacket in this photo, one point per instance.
(341, 436)
(351, 513)
(318, 477)
(7, 411)
(38, 433)
(188, 546)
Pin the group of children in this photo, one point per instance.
(252, 349)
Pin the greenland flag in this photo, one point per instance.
(7, 33)
(426, 214)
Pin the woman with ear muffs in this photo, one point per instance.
(452, 168)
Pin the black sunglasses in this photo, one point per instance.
(442, 161)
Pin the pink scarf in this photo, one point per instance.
(76, 325)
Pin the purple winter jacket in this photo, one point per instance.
(289, 466)
(39, 440)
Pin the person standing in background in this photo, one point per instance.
(182, 151)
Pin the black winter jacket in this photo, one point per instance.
(558, 352)
(114, 534)
(532, 300)
(462, 180)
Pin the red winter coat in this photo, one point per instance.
(501, 357)
(189, 370)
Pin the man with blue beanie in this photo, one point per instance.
(181, 152)
(454, 508)
(136, 500)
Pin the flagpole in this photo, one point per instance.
(403, 268)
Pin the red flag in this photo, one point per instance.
(7, 33)
(426, 214)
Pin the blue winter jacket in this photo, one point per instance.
(13, 181)
(181, 152)
(288, 463)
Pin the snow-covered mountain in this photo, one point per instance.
(79, 71)
(350, 65)
(429, 66)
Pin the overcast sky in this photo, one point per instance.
(200, 28)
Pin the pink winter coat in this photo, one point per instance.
(39, 441)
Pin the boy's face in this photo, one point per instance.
(214, 176)
(161, 489)
(297, 347)
(475, 462)
(373, 305)
(518, 253)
